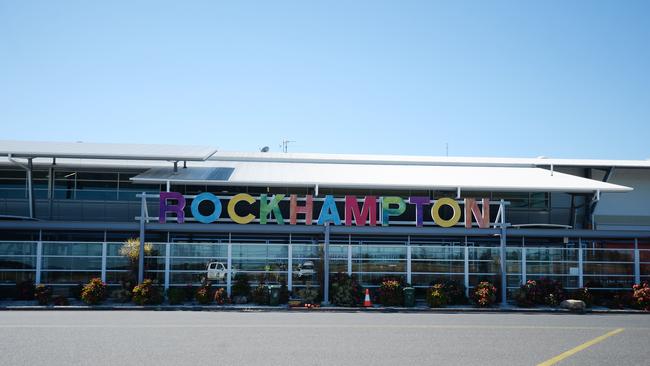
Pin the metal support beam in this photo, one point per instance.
(290, 265)
(502, 256)
(637, 263)
(350, 255)
(326, 265)
(408, 260)
(143, 204)
(39, 258)
(30, 188)
(229, 264)
(524, 279)
(466, 270)
(104, 254)
(168, 248)
(580, 264)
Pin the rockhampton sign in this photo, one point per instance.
(371, 210)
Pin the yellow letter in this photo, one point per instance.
(435, 212)
(231, 208)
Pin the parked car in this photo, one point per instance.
(306, 269)
(217, 271)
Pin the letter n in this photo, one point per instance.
(471, 209)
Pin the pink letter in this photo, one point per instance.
(352, 209)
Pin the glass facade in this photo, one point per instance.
(279, 259)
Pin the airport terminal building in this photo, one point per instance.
(66, 209)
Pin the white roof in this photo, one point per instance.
(85, 150)
(374, 176)
(423, 160)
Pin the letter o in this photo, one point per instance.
(435, 212)
(206, 197)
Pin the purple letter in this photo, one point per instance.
(177, 208)
(418, 201)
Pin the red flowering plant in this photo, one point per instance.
(390, 292)
(529, 294)
(642, 296)
(437, 296)
(94, 292)
(147, 293)
(202, 294)
(485, 294)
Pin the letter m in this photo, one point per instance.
(360, 216)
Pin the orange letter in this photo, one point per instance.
(307, 209)
(482, 218)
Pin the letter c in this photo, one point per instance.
(231, 208)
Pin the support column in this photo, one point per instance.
(523, 266)
(502, 255)
(143, 204)
(104, 253)
(580, 264)
(466, 269)
(39, 258)
(290, 265)
(637, 262)
(350, 255)
(326, 266)
(229, 263)
(408, 261)
(168, 248)
(30, 188)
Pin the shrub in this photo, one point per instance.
(220, 296)
(641, 296)
(131, 249)
(42, 294)
(202, 295)
(455, 292)
(25, 290)
(529, 294)
(241, 287)
(390, 292)
(345, 291)
(94, 292)
(485, 294)
(553, 291)
(124, 293)
(147, 293)
(60, 300)
(284, 293)
(585, 295)
(261, 294)
(175, 295)
(189, 292)
(436, 296)
(308, 294)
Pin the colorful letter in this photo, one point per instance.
(435, 212)
(267, 207)
(329, 212)
(387, 212)
(307, 209)
(360, 218)
(482, 218)
(419, 202)
(233, 213)
(206, 196)
(178, 208)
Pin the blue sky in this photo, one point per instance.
(490, 78)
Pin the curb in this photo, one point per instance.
(329, 309)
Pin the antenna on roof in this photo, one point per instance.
(285, 145)
(446, 148)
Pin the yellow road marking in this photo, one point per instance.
(581, 347)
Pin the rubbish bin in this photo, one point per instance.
(274, 295)
(409, 297)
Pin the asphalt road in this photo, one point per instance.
(318, 338)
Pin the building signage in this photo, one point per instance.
(371, 210)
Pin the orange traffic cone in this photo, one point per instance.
(366, 300)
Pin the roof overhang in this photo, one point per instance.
(84, 150)
(373, 176)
